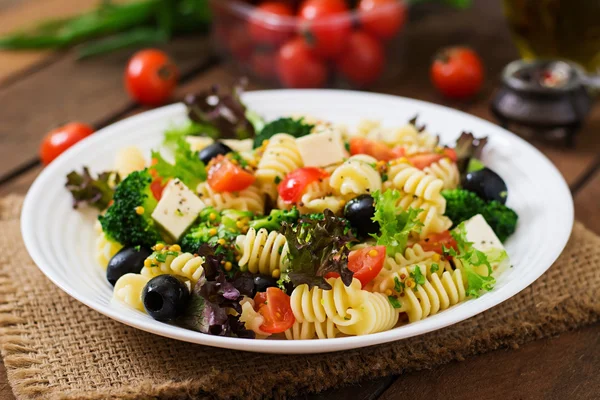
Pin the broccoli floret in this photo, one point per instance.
(128, 220)
(272, 222)
(196, 237)
(462, 205)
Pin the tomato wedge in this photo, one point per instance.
(157, 186)
(435, 242)
(274, 306)
(373, 148)
(294, 184)
(366, 264)
(225, 176)
(423, 161)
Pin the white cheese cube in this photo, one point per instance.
(177, 208)
(322, 149)
(198, 143)
(485, 240)
(239, 145)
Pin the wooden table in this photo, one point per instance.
(40, 90)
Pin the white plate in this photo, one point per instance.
(61, 240)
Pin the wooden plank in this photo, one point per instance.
(587, 203)
(367, 390)
(90, 91)
(564, 367)
(24, 14)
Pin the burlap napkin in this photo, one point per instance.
(55, 347)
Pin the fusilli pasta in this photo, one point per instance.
(316, 198)
(249, 199)
(182, 264)
(280, 157)
(355, 176)
(432, 215)
(129, 159)
(413, 181)
(312, 330)
(105, 248)
(128, 289)
(446, 170)
(262, 252)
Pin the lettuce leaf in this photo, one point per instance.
(191, 128)
(187, 167)
(475, 263)
(316, 248)
(95, 192)
(395, 225)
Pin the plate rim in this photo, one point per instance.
(283, 346)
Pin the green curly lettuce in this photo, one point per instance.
(187, 166)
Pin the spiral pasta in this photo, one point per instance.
(128, 160)
(182, 264)
(386, 279)
(312, 330)
(413, 181)
(439, 292)
(249, 199)
(412, 255)
(128, 289)
(252, 319)
(355, 176)
(262, 252)
(354, 311)
(446, 170)
(432, 215)
(105, 248)
(317, 197)
(281, 156)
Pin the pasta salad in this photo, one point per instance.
(296, 228)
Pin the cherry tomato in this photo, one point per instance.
(294, 184)
(274, 306)
(298, 67)
(382, 18)
(434, 242)
(423, 161)
(365, 263)
(373, 148)
(457, 72)
(58, 140)
(399, 151)
(239, 43)
(263, 26)
(151, 77)
(264, 64)
(225, 176)
(363, 59)
(325, 26)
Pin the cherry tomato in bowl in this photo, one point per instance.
(151, 77)
(437, 241)
(263, 26)
(274, 305)
(365, 263)
(457, 72)
(298, 67)
(325, 26)
(382, 18)
(60, 139)
(225, 176)
(294, 184)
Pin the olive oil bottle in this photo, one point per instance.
(557, 29)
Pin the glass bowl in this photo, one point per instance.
(354, 49)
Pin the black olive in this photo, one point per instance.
(127, 260)
(165, 297)
(215, 149)
(262, 282)
(486, 184)
(360, 211)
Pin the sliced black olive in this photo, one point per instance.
(263, 282)
(215, 149)
(127, 260)
(486, 184)
(360, 211)
(165, 297)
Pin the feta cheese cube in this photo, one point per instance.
(322, 149)
(239, 145)
(485, 240)
(177, 209)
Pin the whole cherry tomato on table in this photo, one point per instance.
(263, 29)
(298, 67)
(325, 26)
(362, 60)
(60, 139)
(457, 72)
(382, 18)
(264, 64)
(151, 77)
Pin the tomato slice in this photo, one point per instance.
(435, 242)
(365, 263)
(398, 151)
(423, 161)
(225, 176)
(275, 309)
(294, 184)
(157, 187)
(373, 148)
(450, 153)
